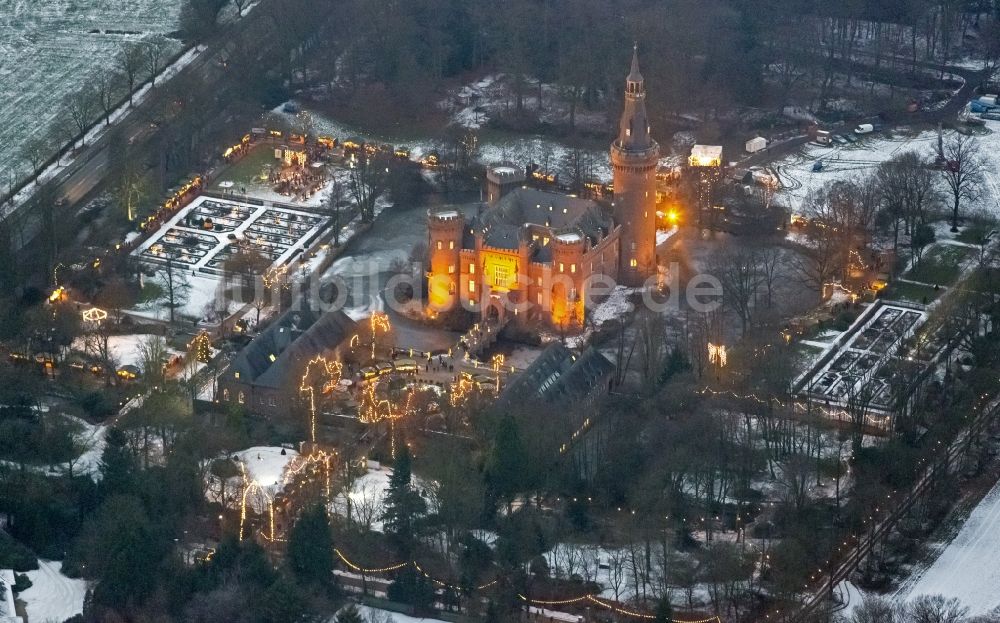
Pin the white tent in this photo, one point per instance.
(756, 144)
(706, 156)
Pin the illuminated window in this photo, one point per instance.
(561, 267)
(572, 268)
(633, 262)
(472, 268)
(236, 374)
(545, 240)
(440, 245)
(539, 298)
(451, 243)
(241, 398)
(472, 286)
(451, 269)
(225, 395)
(501, 276)
(628, 131)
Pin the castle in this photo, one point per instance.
(529, 254)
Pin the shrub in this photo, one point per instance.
(14, 555)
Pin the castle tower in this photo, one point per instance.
(634, 155)
(567, 280)
(444, 240)
(501, 179)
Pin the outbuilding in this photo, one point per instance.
(756, 144)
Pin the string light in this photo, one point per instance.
(593, 599)
(323, 373)
(378, 321)
(201, 345)
(95, 315)
(717, 354)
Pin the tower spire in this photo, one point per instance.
(634, 75)
(633, 130)
(634, 156)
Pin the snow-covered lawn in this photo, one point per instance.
(367, 495)
(125, 350)
(550, 154)
(378, 615)
(53, 597)
(265, 467)
(53, 49)
(852, 161)
(967, 569)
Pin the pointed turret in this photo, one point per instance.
(634, 156)
(633, 130)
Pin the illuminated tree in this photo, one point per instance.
(201, 347)
(321, 375)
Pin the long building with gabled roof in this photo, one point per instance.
(265, 376)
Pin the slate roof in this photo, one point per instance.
(558, 375)
(503, 223)
(277, 357)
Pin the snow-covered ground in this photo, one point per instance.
(551, 155)
(125, 350)
(367, 495)
(7, 608)
(378, 615)
(853, 161)
(265, 468)
(52, 49)
(967, 569)
(53, 597)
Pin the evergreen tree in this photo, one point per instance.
(310, 546)
(664, 613)
(508, 470)
(411, 587)
(403, 506)
(350, 614)
(117, 464)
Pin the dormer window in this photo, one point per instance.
(628, 131)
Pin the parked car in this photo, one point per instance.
(864, 128)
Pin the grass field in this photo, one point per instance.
(49, 49)
(247, 171)
(912, 292)
(941, 264)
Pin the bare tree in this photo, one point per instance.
(82, 107)
(651, 345)
(35, 151)
(153, 356)
(368, 175)
(963, 172)
(131, 59)
(105, 87)
(936, 609)
(333, 204)
(173, 279)
(154, 49)
(739, 273)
